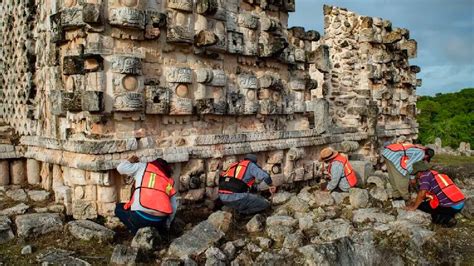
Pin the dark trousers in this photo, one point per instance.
(248, 205)
(134, 221)
(440, 215)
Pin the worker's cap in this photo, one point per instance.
(420, 166)
(251, 157)
(327, 154)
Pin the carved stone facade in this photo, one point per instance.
(86, 84)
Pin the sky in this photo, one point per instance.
(444, 30)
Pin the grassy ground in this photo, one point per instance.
(452, 160)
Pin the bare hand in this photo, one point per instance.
(134, 159)
(272, 189)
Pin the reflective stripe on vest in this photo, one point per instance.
(238, 170)
(448, 187)
(153, 193)
(349, 172)
(403, 147)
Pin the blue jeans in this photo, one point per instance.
(250, 204)
(134, 220)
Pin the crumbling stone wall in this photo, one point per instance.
(372, 86)
(199, 83)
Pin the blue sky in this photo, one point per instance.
(444, 30)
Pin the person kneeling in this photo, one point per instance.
(437, 195)
(153, 202)
(341, 174)
(235, 184)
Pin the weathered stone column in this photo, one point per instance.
(33, 171)
(18, 172)
(4, 173)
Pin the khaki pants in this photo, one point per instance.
(398, 181)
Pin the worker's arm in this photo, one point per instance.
(419, 199)
(129, 167)
(174, 205)
(259, 174)
(337, 172)
(414, 155)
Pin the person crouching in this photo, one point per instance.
(342, 175)
(437, 195)
(153, 202)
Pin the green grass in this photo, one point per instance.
(447, 160)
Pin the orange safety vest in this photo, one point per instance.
(403, 147)
(349, 172)
(448, 187)
(232, 180)
(153, 192)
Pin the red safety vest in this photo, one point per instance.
(236, 170)
(448, 187)
(403, 147)
(349, 172)
(153, 192)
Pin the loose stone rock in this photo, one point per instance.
(330, 230)
(146, 239)
(278, 232)
(243, 259)
(379, 194)
(307, 221)
(15, 210)
(17, 195)
(293, 241)
(339, 197)
(215, 256)
(88, 230)
(38, 224)
(264, 242)
(38, 195)
(281, 220)
(417, 216)
(123, 255)
(267, 258)
(377, 180)
(229, 250)
(53, 256)
(196, 241)
(398, 204)
(6, 233)
(281, 197)
(221, 220)
(323, 198)
(371, 215)
(297, 205)
(255, 224)
(253, 248)
(359, 198)
(28, 249)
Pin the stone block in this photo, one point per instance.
(83, 209)
(320, 58)
(74, 176)
(92, 101)
(127, 18)
(4, 173)
(65, 101)
(106, 194)
(363, 170)
(18, 172)
(38, 224)
(33, 171)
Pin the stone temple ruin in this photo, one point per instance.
(88, 83)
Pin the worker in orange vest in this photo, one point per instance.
(235, 184)
(153, 202)
(399, 158)
(339, 169)
(437, 195)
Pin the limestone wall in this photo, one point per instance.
(199, 83)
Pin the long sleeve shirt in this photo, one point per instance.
(428, 183)
(136, 171)
(253, 172)
(338, 179)
(414, 155)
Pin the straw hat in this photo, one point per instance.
(327, 154)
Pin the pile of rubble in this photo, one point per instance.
(464, 148)
(311, 227)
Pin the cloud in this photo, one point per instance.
(446, 78)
